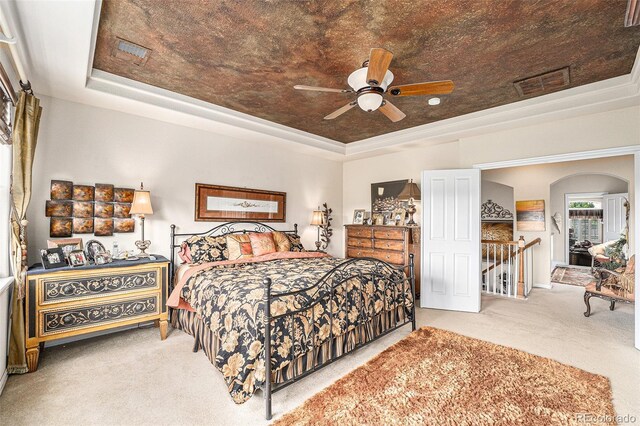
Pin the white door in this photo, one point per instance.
(614, 215)
(451, 240)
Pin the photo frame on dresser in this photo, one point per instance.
(216, 203)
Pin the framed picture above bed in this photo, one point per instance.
(215, 203)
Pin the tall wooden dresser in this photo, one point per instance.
(69, 301)
(393, 244)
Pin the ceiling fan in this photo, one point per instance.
(371, 82)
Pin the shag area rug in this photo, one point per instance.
(436, 377)
(572, 276)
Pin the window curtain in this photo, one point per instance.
(24, 138)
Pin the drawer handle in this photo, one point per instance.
(388, 257)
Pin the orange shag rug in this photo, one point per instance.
(437, 377)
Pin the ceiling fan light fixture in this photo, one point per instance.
(358, 79)
(434, 101)
(369, 101)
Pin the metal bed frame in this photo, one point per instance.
(325, 286)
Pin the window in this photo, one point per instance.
(5, 176)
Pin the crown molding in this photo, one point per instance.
(105, 82)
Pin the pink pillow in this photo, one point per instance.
(185, 253)
(262, 243)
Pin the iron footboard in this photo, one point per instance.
(326, 288)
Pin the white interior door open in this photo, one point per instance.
(614, 215)
(451, 240)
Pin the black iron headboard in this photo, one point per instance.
(240, 227)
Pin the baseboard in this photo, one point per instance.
(548, 286)
(3, 380)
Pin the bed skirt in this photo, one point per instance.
(209, 341)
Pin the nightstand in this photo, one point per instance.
(66, 302)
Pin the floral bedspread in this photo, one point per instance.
(230, 300)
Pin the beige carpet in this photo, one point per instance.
(435, 377)
(134, 378)
(572, 276)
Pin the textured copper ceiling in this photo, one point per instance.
(247, 55)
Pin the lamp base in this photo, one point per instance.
(411, 209)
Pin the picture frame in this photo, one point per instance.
(530, 215)
(92, 248)
(386, 218)
(384, 196)
(53, 258)
(399, 216)
(67, 245)
(77, 258)
(358, 217)
(377, 219)
(103, 258)
(216, 203)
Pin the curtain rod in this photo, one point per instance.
(10, 40)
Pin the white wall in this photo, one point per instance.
(616, 128)
(89, 145)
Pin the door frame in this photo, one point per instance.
(566, 221)
(587, 155)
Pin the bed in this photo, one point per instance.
(314, 308)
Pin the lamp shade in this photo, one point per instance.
(141, 203)
(318, 218)
(410, 191)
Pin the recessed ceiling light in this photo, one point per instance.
(434, 101)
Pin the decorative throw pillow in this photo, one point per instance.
(239, 246)
(296, 245)
(282, 241)
(207, 249)
(185, 253)
(262, 243)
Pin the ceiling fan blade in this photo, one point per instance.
(321, 89)
(429, 88)
(379, 60)
(392, 113)
(340, 111)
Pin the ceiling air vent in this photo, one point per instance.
(131, 52)
(544, 83)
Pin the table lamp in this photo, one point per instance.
(318, 220)
(410, 193)
(141, 206)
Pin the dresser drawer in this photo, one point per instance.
(356, 252)
(389, 234)
(359, 242)
(88, 284)
(389, 256)
(397, 245)
(357, 232)
(93, 315)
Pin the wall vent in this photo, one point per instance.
(131, 52)
(543, 83)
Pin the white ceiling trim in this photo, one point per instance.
(115, 85)
(59, 39)
(561, 158)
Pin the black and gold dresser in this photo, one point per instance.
(68, 301)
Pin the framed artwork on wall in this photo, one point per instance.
(215, 203)
(384, 196)
(530, 215)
